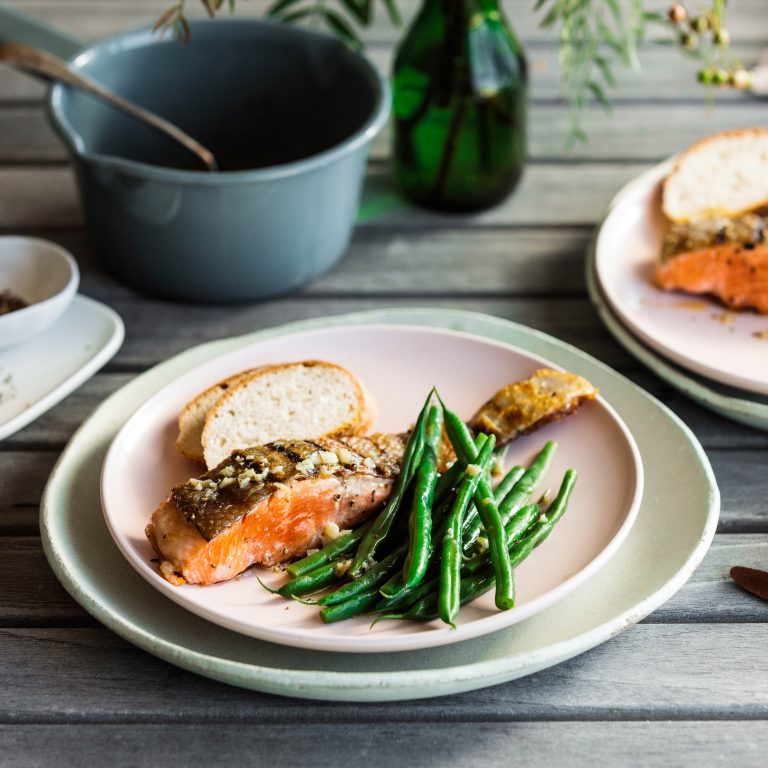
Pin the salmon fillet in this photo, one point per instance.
(737, 274)
(270, 504)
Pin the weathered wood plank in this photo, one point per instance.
(156, 330)
(46, 198)
(30, 595)
(22, 480)
(664, 75)
(651, 671)
(632, 131)
(435, 262)
(441, 745)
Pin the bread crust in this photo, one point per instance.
(697, 147)
(224, 385)
(359, 424)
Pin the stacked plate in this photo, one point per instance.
(714, 356)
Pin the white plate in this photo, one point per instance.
(38, 373)
(399, 365)
(694, 332)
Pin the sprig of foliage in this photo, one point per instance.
(594, 36)
(340, 16)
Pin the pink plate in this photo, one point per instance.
(399, 364)
(693, 331)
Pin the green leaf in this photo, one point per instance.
(394, 14)
(359, 10)
(600, 95)
(605, 70)
(278, 7)
(302, 13)
(341, 26)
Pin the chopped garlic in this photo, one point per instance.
(482, 543)
(328, 457)
(369, 462)
(474, 469)
(312, 552)
(542, 518)
(225, 482)
(227, 472)
(345, 456)
(330, 532)
(305, 467)
(342, 567)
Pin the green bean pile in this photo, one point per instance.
(441, 540)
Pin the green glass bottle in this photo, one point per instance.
(459, 86)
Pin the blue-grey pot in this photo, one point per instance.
(271, 91)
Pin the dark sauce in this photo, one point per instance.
(10, 302)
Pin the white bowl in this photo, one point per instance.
(44, 275)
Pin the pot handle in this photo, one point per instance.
(19, 27)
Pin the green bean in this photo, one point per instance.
(472, 524)
(382, 524)
(370, 579)
(395, 592)
(521, 521)
(449, 595)
(453, 475)
(427, 607)
(546, 521)
(312, 581)
(461, 439)
(341, 546)
(420, 521)
(352, 607)
(519, 493)
(479, 576)
(507, 483)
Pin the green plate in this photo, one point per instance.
(672, 533)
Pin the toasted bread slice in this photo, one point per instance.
(303, 400)
(192, 419)
(725, 174)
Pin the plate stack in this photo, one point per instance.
(717, 357)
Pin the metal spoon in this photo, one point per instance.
(50, 67)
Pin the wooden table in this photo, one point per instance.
(689, 685)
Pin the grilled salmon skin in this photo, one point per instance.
(736, 274)
(524, 406)
(270, 504)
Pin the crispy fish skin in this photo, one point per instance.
(524, 406)
(748, 230)
(270, 504)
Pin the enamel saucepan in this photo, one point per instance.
(289, 114)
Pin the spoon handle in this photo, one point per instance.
(38, 62)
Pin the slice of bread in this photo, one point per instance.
(725, 174)
(192, 419)
(302, 400)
